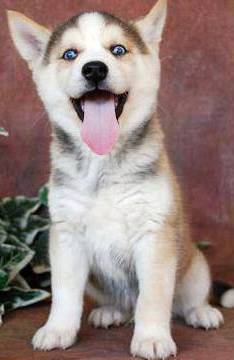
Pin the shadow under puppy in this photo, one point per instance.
(118, 230)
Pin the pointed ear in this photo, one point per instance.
(151, 26)
(29, 38)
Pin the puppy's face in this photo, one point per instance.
(97, 75)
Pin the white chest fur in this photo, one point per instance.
(113, 206)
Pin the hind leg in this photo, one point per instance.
(192, 293)
(106, 315)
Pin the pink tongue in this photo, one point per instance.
(100, 129)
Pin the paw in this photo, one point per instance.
(152, 348)
(205, 317)
(106, 316)
(227, 300)
(48, 338)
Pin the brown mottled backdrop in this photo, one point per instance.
(196, 109)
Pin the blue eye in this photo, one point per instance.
(70, 54)
(118, 50)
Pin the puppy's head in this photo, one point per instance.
(97, 75)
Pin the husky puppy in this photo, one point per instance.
(118, 230)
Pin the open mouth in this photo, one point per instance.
(99, 111)
(119, 102)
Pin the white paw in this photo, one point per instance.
(227, 300)
(106, 316)
(48, 338)
(155, 347)
(206, 317)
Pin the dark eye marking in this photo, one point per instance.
(70, 54)
(118, 50)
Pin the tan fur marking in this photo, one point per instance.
(57, 34)
(130, 31)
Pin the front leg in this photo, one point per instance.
(69, 270)
(155, 260)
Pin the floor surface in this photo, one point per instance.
(113, 344)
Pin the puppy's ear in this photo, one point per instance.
(29, 38)
(151, 26)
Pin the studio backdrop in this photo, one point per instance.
(196, 108)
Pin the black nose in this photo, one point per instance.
(95, 71)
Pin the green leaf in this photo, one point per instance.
(3, 279)
(3, 235)
(14, 258)
(20, 282)
(14, 298)
(40, 262)
(24, 229)
(17, 210)
(3, 132)
(203, 244)
(15, 241)
(43, 195)
(35, 225)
